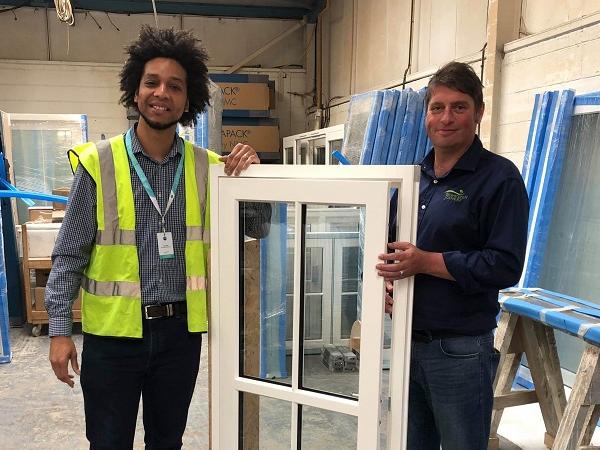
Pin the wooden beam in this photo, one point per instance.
(503, 27)
(515, 398)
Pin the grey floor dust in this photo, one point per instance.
(37, 412)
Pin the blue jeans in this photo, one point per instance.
(450, 393)
(161, 368)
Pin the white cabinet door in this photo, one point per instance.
(315, 401)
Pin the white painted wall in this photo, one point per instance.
(541, 15)
(65, 88)
(47, 67)
(52, 87)
(447, 29)
(37, 34)
(530, 66)
(369, 43)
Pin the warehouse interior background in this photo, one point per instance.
(529, 46)
(318, 54)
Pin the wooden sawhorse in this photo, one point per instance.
(569, 425)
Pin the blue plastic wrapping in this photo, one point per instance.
(546, 183)
(371, 128)
(273, 307)
(410, 131)
(361, 126)
(385, 124)
(201, 130)
(569, 314)
(207, 133)
(5, 351)
(397, 128)
(535, 139)
(423, 141)
(84, 127)
(593, 98)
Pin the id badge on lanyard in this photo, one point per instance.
(164, 239)
(165, 245)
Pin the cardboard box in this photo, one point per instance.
(40, 214)
(262, 135)
(64, 191)
(58, 216)
(246, 95)
(41, 238)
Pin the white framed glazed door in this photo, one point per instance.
(314, 401)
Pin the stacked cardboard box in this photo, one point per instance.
(54, 213)
(247, 104)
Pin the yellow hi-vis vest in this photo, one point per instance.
(111, 294)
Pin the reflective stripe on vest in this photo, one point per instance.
(115, 237)
(111, 288)
(109, 187)
(194, 233)
(195, 283)
(111, 298)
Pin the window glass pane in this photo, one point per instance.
(289, 155)
(331, 245)
(320, 156)
(314, 270)
(349, 269)
(349, 314)
(288, 325)
(266, 423)
(326, 430)
(316, 151)
(301, 154)
(39, 153)
(313, 315)
(265, 311)
(334, 146)
(572, 256)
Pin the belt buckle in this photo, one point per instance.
(146, 313)
(169, 310)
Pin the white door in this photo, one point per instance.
(315, 401)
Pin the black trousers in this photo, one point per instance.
(161, 367)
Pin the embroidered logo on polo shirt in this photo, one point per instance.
(455, 195)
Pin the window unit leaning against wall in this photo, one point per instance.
(564, 250)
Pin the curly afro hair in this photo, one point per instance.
(181, 46)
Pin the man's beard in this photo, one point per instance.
(156, 125)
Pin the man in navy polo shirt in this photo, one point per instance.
(471, 237)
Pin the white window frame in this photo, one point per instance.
(349, 185)
(330, 134)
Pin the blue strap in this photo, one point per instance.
(341, 158)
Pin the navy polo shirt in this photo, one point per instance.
(476, 216)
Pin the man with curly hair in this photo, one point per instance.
(135, 241)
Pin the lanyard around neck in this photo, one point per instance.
(144, 180)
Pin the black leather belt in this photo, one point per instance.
(164, 310)
(432, 335)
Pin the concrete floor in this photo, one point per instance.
(39, 412)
